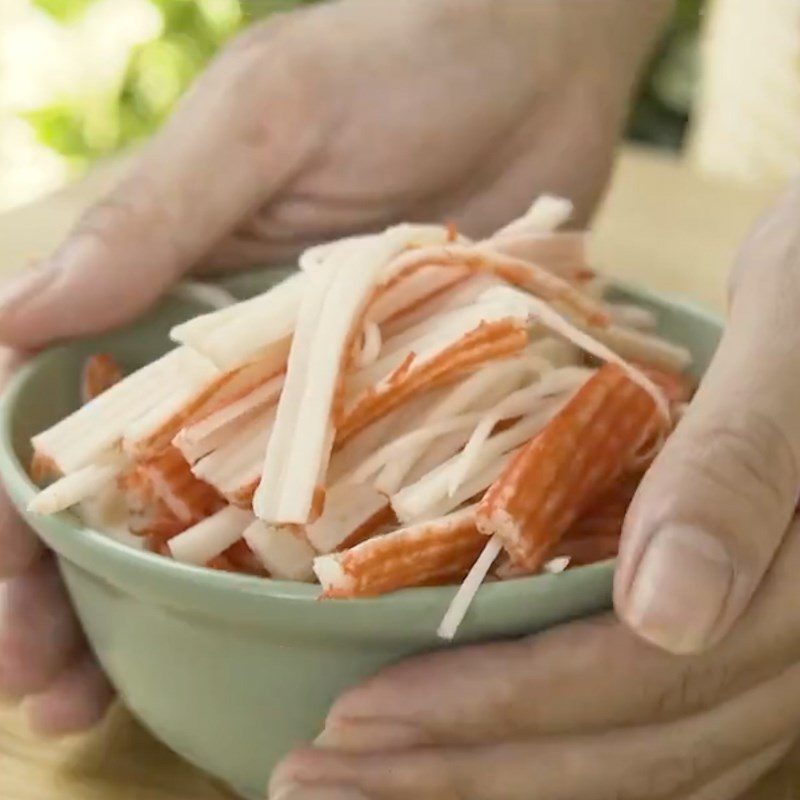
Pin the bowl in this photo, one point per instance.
(232, 672)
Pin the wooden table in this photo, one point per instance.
(661, 225)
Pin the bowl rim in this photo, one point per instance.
(96, 552)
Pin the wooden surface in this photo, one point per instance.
(661, 226)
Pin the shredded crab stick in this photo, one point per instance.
(401, 297)
(190, 404)
(284, 554)
(545, 215)
(100, 372)
(77, 486)
(644, 348)
(629, 315)
(235, 467)
(580, 453)
(515, 271)
(460, 293)
(210, 537)
(429, 553)
(200, 438)
(414, 502)
(171, 481)
(440, 363)
(549, 318)
(411, 408)
(477, 391)
(323, 335)
(206, 293)
(235, 335)
(458, 607)
(100, 424)
(517, 404)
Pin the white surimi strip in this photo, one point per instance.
(100, 424)
(463, 598)
(284, 554)
(215, 534)
(76, 487)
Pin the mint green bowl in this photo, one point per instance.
(232, 672)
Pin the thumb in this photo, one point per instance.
(218, 158)
(713, 510)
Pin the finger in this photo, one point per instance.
(732, 783)
(76, 701)
(234, 140)
(635, 763)
(39, 635)
(19, 546)
(712, 511)
(551, 684)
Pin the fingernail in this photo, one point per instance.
(680, 589)
(296, 791)
(369, 735)
(23, 287)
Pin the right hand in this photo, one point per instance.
(317, 124)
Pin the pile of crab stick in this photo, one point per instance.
(409, 408)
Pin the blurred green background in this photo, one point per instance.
(84, 129)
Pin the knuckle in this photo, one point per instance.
(119, 214)
(665, 775)
(698, 685)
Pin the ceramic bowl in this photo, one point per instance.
(232, 672)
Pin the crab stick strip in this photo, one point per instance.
(477, 391)
(400, 297)
(320, 350)
(234, 468)
(546, 214)
(431, 552)
(200, 438)
(486, 342)
(172, 482)
(371, 345)
(191, 404)
(525, 275)
(76, 487)
(415, 501)
(210, 537)
(100, 372)
(555, 383)
(580, 453)
(562, 254)
(629, 315)
(678, 388)
(347, 457)
(284, 554)
(460, 293)
(545, 315)
(235, 335)
(644, 348)
(96, 427)
(205, 293)
(458, 607)
(352, 512)
(402, 236)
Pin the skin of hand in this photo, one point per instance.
(707, 570)
(458, 110)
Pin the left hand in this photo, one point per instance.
(707, 569)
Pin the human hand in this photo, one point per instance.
(431, 109)
(586, 711)
(707, 569)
